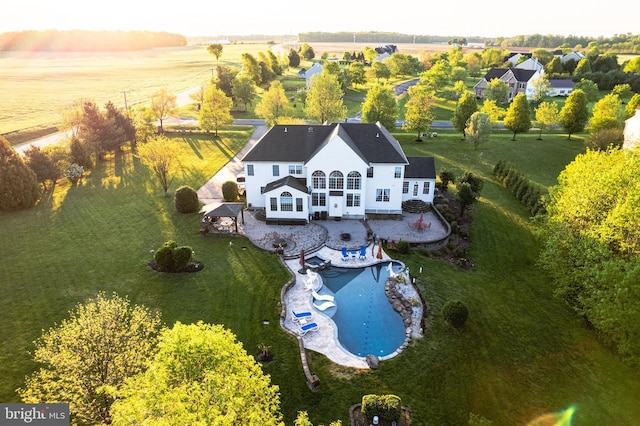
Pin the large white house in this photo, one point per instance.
(632, 131)
(337, 170)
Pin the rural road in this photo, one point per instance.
(184, 98)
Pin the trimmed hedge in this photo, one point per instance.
(532, 195)
(186, 200)
(173, 258)
(387, 407)
(455, 313)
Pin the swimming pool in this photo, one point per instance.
(366, 321)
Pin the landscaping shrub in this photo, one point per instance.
(455, 313)
(387, 407)
(186, 200)
(164, 257)
(474, 181)
(173, 258)
(404, 247)
(230, 191)
(529, 193)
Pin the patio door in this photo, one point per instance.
(335, 205)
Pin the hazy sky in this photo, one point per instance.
(228, 17)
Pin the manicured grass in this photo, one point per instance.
(522, 353)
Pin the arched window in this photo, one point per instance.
(336, 180)
(353, 180)
(319, 180)
(286, 202)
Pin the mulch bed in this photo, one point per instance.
(357, 419)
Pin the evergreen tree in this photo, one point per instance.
(574, 114)
(380, 105)
(251, 67)
(19, 187)
(466, 106)
(42, 165)
(518, 118)
(294, 59)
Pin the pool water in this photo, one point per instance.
(366, 321)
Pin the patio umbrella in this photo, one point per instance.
(379, 256)
(302, 263)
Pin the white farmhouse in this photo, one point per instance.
(337, 170)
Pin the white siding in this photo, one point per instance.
(383, 178)
(279, 213)
(427, 198)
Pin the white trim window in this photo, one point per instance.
(319, 199)
(286, 202)
(295, 169)
(405, 187)
(397, 173)
(426, 187)
(319, 180)
(336, 180)
(353, 180)
(353, 200)
(383, 195)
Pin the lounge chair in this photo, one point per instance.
(299, 315)
(324, 305)
(363, 253)
(322, 296)
(345, 254)
(312, 326)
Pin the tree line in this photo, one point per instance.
(88, 41)
(619, 43)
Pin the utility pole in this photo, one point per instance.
(126, 106)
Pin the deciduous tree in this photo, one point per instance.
(42, 165)
(215, 110)
(607, 114)
(324, 99)
(357, 73)
(466, 106)
(225, 76)
(200, 375)
(19, 187)
(294, 58)
(518, 118)
(497, 90)
(379, 70)
(380, 105)
(163, 106)
(244, 90)
(478, 128)
(215, 49)
(274, 103)
(161, 157)
(87, 357)
(574, 114)
(307, 52)
(546, 116)
(251, 67)
(589, 88)
(419, 114)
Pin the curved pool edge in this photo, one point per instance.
(325, 340)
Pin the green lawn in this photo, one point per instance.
(522, 352)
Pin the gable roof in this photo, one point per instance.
(420, 168)
(299, 143)
(522, 75)
(495, 73)
(290, 181)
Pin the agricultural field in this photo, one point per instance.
(38, 86)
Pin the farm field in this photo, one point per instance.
(38, 86)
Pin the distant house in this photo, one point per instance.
(387, 48)
(519, 81)
(531, 64)
(561, 87)
(514, 58)
(338, 170)
(575, 55)
(316, 68)
(632, 131)
(382, 57)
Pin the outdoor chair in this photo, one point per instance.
(363, 253)
(304, 329)
(345, 254)
(299, 315)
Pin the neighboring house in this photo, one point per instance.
(382, 57)
(514, 58)
(632, 131)
(338, 170)
(531, 64)
(576, 56)
(561, 87)
(316, 68)
(519, 81)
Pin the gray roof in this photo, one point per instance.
(290, 181)
(222, 209)
(420, 168)
(299, 143)
(495, 73)
(522, 75)
(561, 83)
